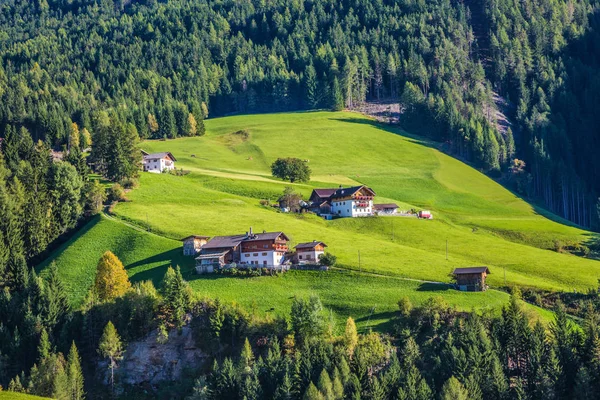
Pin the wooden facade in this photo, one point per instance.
(471, 279)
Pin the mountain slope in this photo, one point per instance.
(472, 212)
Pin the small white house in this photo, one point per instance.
(158, 162)
(309, 253)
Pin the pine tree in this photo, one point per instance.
(247, 357)
(152, 125)
(176, 295)
(57, 301)
(75, 375)
(337, 97)
(111, 278)
(453, 390)
(312, 393)
(111, 347)
(310, 83)
(325, 386)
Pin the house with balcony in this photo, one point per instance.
(250, 250)
(356, 201)
(158, 162)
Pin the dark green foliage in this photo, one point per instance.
(307, 318)
(291, 169)
(176, 295)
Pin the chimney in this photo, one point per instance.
(250, 231)
(264, 231)
(341, 186)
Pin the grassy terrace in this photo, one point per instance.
(483, 222)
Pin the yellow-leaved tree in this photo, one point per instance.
(111, 278)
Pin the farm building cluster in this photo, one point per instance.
(353, 202)
(250, 250)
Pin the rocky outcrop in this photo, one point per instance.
(147, 362)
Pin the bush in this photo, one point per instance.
(129, 183)
(328, 259)
(116, 193)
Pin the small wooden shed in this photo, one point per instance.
(192, 244)
(471, 279)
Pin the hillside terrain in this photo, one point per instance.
(483, 223)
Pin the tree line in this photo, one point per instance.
(160, 67)
(430, 351)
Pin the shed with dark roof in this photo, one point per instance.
(471, 279)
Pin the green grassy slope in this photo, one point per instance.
(146, 256)
(483, 222)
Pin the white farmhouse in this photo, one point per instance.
(352, 202)
(158, 162)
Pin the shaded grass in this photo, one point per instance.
(19, 396)
(145, 256)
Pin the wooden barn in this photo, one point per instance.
(471, 279)
(193, 244)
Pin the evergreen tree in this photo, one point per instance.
(57, 301)
(337, 97)
(176, 295)
(111, 348)
(75, 375)
(453, 390)
(325, 386)
(312, 393)
(350, 337)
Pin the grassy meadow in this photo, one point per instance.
(482, 222)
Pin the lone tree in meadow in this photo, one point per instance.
(111, 278)
(291, 169)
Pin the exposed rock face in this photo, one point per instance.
(149, 362)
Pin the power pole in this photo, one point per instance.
(147, 223)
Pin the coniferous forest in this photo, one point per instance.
(510, 86)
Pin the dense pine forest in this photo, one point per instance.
(507, 85)
(510, 86)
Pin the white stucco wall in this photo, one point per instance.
(158, 165)
(309, 256)
(263, 258)
(348, 208)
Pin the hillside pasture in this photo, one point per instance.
(482, 222)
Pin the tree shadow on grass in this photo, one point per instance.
(392, 129)
(380, 322)
(164, 260)
(433, 287)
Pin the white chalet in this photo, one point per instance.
(356, 201)
(158, 162)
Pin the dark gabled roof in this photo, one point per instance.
(309, 245)
(266, 236)
(343, 192)
(219, 242)
(324, 193)
(385, 206)
(471, 270)
(159, 155)
(195, 237)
